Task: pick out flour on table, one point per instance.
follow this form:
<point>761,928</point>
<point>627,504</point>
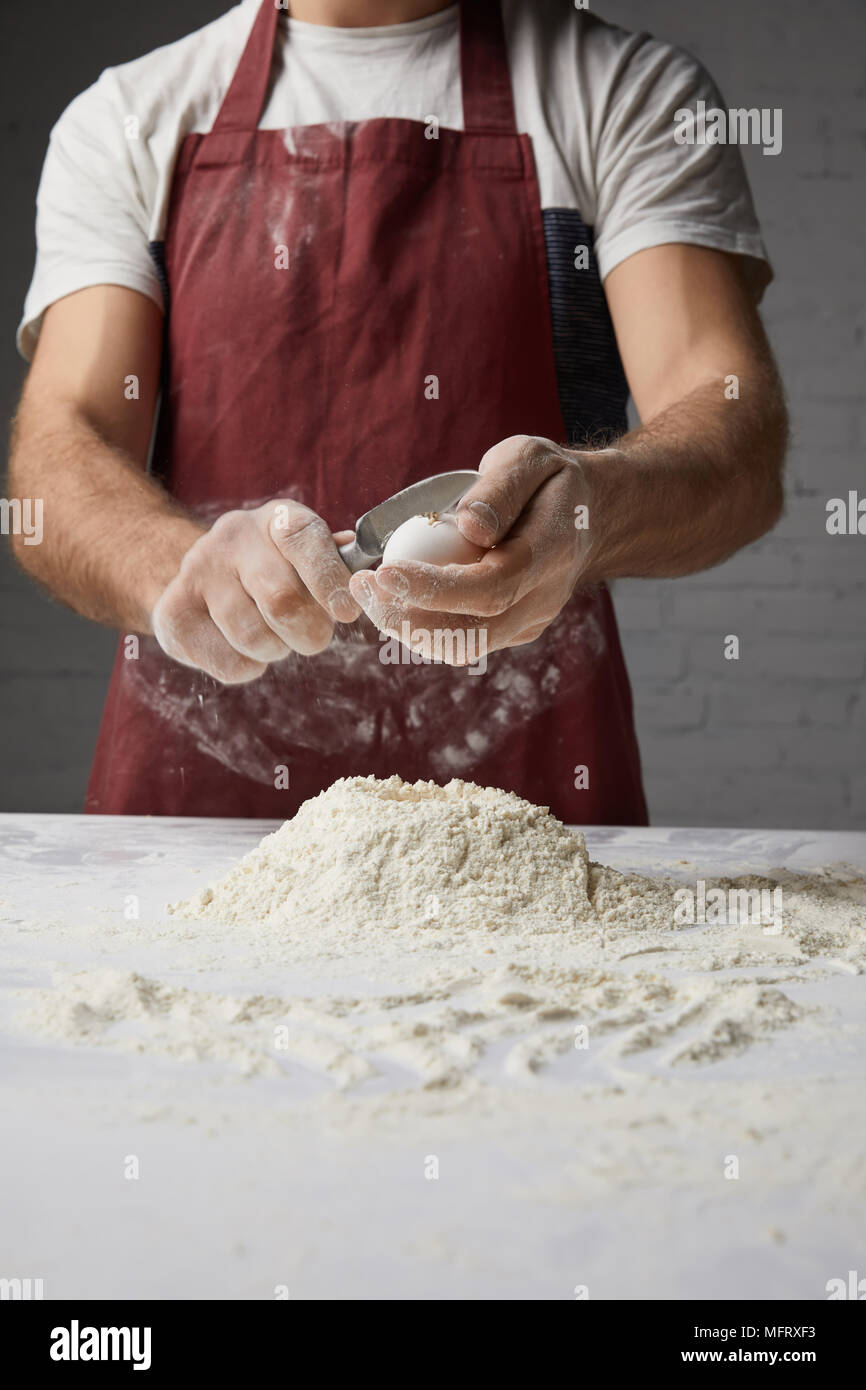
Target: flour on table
<point>486,942</point>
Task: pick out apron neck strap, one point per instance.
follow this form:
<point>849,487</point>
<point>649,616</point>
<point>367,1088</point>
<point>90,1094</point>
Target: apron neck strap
<point>486,80</point>
<point>484,72</point>
<point>244,101</point>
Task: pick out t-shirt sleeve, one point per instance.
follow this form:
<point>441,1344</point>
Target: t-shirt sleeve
<point>649,190</point>
<point>92,222</point>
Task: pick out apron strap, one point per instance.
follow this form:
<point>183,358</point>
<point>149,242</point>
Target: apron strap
<point>484,72</point>
<point>488,103</point>
<point>244,101</point>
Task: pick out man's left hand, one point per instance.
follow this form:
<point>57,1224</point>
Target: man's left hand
<point>526,506</point>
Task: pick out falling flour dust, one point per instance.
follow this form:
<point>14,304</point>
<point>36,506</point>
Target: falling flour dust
<point>483,941</point>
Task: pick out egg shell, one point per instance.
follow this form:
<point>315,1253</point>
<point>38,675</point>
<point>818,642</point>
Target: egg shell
<point>438,542</point>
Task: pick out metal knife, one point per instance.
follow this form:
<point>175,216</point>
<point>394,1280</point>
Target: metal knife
<point>372,530</point>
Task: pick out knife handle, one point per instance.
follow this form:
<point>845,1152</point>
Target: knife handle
<point>354,558</point>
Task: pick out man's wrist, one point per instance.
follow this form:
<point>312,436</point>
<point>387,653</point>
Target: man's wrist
<point>593,487</point>
<point>173,536</point>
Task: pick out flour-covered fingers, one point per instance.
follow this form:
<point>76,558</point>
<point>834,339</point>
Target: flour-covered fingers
<point>511,472</point>
<point>283,601</point>
<point>242,597</point>
<point>238,616</point>
<point>305,540</point>
<point>542,547</point>
<point>186,631</point>
<point>443,635</point>
<point>490,586</point>
<point>548,523</point>
<point>255,596</point>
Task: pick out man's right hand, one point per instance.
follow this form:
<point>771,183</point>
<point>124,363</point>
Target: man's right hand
<point>258,585</point>
<point>117,548</point>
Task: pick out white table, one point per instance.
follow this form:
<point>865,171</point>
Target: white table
<point>611,1178</point>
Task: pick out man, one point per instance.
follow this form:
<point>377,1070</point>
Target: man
<point>364,244</point>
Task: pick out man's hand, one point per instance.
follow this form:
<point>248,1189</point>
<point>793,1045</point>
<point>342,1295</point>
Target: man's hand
<point>524,505</point>
<point>255,587</point>
<point>700,478</point>
<point>117,548</point>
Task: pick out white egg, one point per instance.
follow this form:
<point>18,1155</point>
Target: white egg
<point>434,539</point>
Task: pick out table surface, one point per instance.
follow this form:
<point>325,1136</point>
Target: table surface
<point>593,1172</point>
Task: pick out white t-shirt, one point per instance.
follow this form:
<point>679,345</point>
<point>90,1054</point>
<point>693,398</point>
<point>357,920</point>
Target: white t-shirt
<point>597,101</point>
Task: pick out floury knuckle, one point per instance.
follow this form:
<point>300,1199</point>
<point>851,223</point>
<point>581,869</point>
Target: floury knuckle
<point>230,527</point>
<point>247,634</point>
<point>236,670</point>
<point>490,605</point>
<point>278,604</point>
<point>297,527</point>
<point>533,451</point>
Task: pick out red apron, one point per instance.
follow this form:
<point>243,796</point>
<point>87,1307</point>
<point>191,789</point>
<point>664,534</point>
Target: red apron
<point>408,256</point>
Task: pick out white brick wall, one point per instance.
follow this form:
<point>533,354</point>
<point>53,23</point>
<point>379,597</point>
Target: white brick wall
<point>778,737</point>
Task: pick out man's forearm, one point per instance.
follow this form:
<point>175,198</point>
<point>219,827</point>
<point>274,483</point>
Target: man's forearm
<point>689,488</point>
<point>112,537</point>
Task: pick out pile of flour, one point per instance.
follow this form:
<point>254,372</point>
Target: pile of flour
<point>453,935</point>
<point>463,869</point>
<point>369,854</point>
